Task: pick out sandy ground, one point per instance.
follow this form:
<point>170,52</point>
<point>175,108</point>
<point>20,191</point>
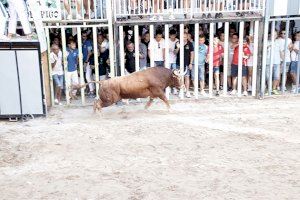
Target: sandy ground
<point>211,149</point>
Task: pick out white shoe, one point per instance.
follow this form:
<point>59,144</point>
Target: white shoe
<point>60,104</point>
<point>92,15</point>
<point>56,101</point>
<point>249,88</point>
<point>69,17</point>
<point>202,92</point>
<point>175,91</point>
<point>160,18</point>
<point>78,16</point>
<point>245,93</point>
<point>188,95</point>
<point>153,18</point>
<point>233,92</point>
<point>293,89</point>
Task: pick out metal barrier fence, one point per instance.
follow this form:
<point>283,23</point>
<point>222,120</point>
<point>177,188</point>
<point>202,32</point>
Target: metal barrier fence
<point>227,62</point>
<point>192,8</point>
<point>277,62</point>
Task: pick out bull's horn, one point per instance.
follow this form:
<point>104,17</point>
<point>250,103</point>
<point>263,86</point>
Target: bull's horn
<point>184,73</point>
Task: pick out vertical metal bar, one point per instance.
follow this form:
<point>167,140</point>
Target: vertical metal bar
<point>226,57</point>
<point>196,68</point>
<point>136,47</point>
<point>205,6</point>
<point>96,64</point>
<point>122,52</point>
<point>255,56</point>
<point>167,55</point>
<point>240,64</point>
<point>251,28</point>
<point>64,49</point>
<point>151,45</point>
<point>264,52</point>
<point>298,70</point>
<point>139,7</point>
<point>211,59</point>
<point>50,66</point>
<point>80,64</point>
<point>283,83</point>
<point>89,8</point>
<point>272,58</point>
<point>95,9</point>
<point>110,38</point>
<point>181,55</point>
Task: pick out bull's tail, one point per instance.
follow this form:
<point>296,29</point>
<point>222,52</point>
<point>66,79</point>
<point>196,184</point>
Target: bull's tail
<point>78,86</point>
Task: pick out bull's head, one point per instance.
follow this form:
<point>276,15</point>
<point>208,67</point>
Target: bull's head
<point>177,78</point>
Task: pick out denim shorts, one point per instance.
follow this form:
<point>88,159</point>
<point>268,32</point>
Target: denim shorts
<point>58,80</point>
<point>216,70</point>
<point>159,63</point>
<point>235,70</point>
<point>276,72</point>
<point>287,68</point>
<point>294,66</point>
<point>201,71</point>
<point>173,66</point>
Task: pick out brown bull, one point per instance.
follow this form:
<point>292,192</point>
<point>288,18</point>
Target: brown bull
<point>142,84</point>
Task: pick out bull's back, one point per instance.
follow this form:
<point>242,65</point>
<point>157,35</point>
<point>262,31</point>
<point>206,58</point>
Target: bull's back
<point>140,84</point>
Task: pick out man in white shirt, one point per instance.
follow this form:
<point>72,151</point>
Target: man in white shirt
<point>57,71</point>
<point>156,50</point>
<point>172,54</point>
<point>295,60</point>
<point>286,57</point>
<point>277,50</point>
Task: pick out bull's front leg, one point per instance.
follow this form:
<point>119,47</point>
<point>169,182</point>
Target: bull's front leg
<point>164,98</point>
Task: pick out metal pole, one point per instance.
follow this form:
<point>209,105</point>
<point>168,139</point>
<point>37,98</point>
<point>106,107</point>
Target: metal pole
<point>81,64</point>
<point>110,38</point>
<point>122,53</point>
<point>226,56</point>
<point>272,58</point>
<point>64,49</point>
<point>298,72</point>
<point>151,46</point>
<point>255,56</point>
<point>96,64</point>
<point>181,95</point>
<point>240,63</point>
<point>283,83</point>
<point>264,52</point>
<point>211,52</point>
<point>136,48</point>
<point>167,55</point>
<point>196,68</point>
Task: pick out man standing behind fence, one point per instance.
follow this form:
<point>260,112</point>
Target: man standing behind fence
<point>57,72</point>
<point>87,48</point>
<point>72,74</point>
<point>188,60</point>
<point>156,50</point>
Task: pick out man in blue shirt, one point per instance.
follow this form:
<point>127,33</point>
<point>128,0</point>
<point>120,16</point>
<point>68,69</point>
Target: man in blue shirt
<point>72,74</point>
<point>87,48</point>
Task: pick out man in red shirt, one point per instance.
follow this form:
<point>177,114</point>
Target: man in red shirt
<point>234,67</point>
<point>218,53</point>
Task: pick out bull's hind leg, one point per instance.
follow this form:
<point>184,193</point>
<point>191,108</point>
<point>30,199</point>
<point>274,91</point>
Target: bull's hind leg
<point>97,106</point>
<point>149,103</point>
